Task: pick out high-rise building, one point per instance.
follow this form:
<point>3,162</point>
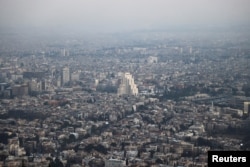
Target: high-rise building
<point>127,86</point>
<point>34,86</point>
<point>65,75</point>
<point>246,108</point>
<point>212,107</point>
<point>181,50</point>
<point>190,50</point>
<point>63,52</point>
<point>58,82</point>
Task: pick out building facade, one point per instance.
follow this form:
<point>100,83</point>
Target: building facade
<point>65,75</point>
<point>127,85</point>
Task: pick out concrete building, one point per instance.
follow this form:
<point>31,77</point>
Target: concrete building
<point>20,90</point>
<point>190,50</point>
<point>63,52</point>
<point>16,76</point>
<point>34,85</point>
<point>127,86</point>
<point>75,76</point>
<point>65,75</point>
<point>246,108</point>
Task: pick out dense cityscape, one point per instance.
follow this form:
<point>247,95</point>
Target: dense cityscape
<point>124,83</point>
<point>154,98</point>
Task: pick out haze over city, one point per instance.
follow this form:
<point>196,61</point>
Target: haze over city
<point>122,15</point>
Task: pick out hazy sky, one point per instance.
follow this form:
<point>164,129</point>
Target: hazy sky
<point>120,15</point>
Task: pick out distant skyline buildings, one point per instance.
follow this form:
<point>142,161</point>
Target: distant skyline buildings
<point>64,52</point>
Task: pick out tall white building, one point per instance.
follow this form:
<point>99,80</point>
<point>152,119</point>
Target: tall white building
<point>190,50</point>
<point>127,86</point>
<point>65,75</point>
<point>246,108</point>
